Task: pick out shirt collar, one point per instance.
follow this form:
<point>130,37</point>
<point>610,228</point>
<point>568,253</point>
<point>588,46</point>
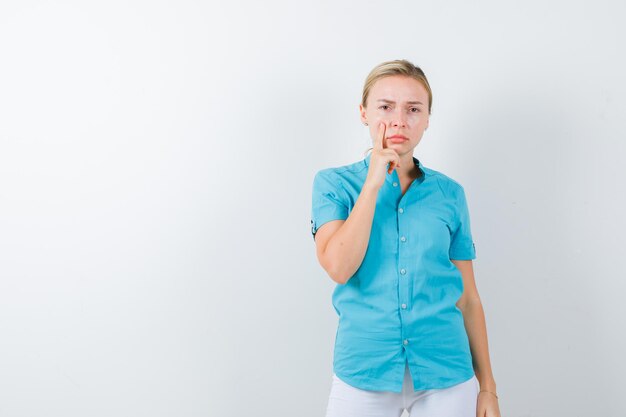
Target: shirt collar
<point>394,175</point>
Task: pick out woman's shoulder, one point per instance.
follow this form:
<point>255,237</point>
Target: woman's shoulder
<point>448,185</point>
<point>346,169</point>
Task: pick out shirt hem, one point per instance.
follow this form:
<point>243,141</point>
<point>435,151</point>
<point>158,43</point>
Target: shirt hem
<point>369,384</point>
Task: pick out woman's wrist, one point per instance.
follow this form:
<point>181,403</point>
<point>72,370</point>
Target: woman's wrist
<point>369,189</point>
<point>489,392</point>
<point>488,385</point>
<point>486,381</point>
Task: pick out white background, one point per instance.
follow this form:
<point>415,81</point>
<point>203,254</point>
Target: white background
<point>156,164</point>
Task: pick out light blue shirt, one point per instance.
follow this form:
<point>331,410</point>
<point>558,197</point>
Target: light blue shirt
<point>399,307</point>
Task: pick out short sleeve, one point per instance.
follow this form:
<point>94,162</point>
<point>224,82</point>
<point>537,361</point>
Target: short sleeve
<point>461,244</point>
<point>329,200</point>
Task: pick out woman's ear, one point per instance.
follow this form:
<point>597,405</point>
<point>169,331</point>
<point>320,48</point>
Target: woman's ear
<point>362,114</point>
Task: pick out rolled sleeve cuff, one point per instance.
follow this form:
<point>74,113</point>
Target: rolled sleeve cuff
<point>464,251</point>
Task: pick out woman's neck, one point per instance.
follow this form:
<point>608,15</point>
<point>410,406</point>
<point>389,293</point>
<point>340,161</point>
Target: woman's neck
<point>408,168</point>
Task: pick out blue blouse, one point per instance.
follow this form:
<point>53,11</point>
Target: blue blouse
<point>399,307</point>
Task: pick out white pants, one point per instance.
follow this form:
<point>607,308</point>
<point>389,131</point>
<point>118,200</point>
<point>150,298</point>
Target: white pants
<point>456,401</point>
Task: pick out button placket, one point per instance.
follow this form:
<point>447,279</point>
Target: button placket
<point>404,262</point>
<point>402,256</point>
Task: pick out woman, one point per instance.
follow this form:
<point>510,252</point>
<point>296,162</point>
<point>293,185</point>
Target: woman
<point>395,236</point>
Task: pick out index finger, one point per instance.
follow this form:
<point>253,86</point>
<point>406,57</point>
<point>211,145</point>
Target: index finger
<point>380,137</point>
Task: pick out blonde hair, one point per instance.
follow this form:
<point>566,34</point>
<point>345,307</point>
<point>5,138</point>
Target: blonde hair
<point>395,67</point>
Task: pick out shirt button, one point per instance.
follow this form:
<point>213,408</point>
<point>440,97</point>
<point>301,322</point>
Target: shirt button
<point>401,210</point>
<point>395,184</point>
<point>403,238</point>
<point>403,271</point>
<point>405,342</point>
<point>403,306</point>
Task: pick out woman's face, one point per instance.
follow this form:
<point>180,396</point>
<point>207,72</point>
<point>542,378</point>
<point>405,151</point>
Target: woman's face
<point>400,102</point>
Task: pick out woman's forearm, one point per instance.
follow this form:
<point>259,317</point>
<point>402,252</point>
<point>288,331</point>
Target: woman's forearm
<point>476,328</point>
<point>346,248</point>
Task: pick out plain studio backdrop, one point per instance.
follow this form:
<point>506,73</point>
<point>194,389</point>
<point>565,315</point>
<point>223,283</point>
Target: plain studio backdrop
<point>156,168</point>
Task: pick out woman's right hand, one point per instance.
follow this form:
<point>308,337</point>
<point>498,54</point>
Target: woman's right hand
<point>380,157</point>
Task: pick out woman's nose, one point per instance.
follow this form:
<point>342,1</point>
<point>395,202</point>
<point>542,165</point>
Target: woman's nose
<point>398,120</point>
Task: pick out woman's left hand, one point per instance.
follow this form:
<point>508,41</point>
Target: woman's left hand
<point>487,405</point>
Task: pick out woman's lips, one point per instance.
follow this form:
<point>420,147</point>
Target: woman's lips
<point>397,139</point>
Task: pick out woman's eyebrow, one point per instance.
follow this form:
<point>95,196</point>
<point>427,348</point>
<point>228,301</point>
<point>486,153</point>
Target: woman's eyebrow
<point>393,102</point>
